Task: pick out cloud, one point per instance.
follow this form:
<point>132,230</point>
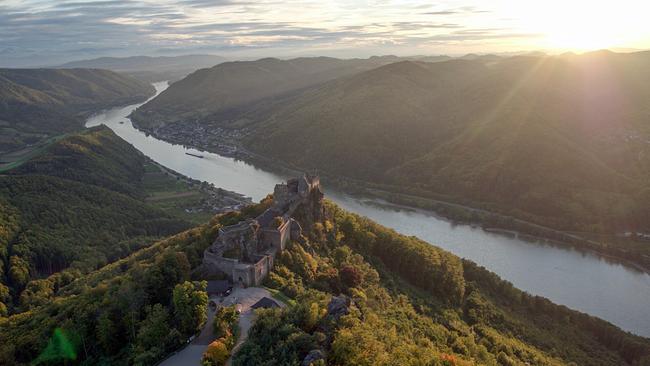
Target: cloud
<point>214,3</point>
<point>441,12</point>
<point>55,31</point>
<point>456,11</point>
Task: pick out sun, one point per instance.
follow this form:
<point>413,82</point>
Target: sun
<point>576,25</point>
<point>580,37</point>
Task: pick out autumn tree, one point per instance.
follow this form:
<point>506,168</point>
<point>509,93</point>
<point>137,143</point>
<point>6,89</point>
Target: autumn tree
<point>216,355</point>
<point>350,276</point>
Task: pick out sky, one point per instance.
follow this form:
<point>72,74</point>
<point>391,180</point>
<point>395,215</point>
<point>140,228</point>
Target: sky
<point>49,32</point>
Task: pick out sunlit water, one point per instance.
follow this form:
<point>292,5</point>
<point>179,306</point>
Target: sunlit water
<point>581,281</point>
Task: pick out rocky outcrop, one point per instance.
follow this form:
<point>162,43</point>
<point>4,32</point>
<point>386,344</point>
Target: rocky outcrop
<point>338,306</point>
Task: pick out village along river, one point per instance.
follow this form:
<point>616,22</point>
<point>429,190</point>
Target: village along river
<point>581,281</point>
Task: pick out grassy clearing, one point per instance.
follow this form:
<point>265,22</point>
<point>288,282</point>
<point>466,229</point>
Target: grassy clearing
<point>173,194</point>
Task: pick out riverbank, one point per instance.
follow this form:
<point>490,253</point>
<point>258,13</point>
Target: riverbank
<point>450,208</point>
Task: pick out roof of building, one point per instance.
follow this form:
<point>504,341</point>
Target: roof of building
<point>218,286</point>
<point>266,303</point>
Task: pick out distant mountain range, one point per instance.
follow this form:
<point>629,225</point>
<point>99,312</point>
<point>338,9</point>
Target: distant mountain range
<point>44,102</point>
<point>149,68</point>
<point>558,140</point>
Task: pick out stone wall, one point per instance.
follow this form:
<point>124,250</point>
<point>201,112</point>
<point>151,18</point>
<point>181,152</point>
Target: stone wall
<point>249,274</point>
<point>217,264</point>
<point>259,240</point>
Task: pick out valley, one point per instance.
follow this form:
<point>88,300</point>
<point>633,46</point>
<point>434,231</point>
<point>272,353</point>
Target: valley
<point>338,183</point>
<point>412,144</point>
<point>630,248</point>
<point>536,267</point>
<point>469,314</point>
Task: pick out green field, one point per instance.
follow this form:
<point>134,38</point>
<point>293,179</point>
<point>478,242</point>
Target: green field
<point>174,194</point>
<point>15,158</point>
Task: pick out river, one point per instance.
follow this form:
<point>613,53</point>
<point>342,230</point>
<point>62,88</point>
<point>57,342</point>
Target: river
<point>580,280</point>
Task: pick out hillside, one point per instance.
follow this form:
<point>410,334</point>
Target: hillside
<point>555,140</point>
<point>222,93</point>
<point>401,301</point>
<point>81,204</point>
<point>561,141</point>
<point>398,301</point>
<point>148,68</point>
<point>37,103</point>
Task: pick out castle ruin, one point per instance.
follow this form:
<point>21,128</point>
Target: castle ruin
<point>245,251</point>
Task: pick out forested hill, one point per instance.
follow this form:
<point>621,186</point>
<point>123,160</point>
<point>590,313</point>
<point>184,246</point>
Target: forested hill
<point>78,206</point>
<point>224,91</point>
<point>358,294</point>
<point>562,141</point>
<point>35,102</point>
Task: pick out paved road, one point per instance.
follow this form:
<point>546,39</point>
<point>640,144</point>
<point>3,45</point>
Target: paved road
<point>190,355</point>
<point>244,297</point>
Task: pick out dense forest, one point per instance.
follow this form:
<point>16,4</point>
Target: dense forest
<point>76,207</point>
<point>362,295</point>
<point>37,103</point>
<point>409,303</point>
<point>134,311</point>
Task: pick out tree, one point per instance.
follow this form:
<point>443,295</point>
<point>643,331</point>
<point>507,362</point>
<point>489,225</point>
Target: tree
<point>225,323</point>
<point>155,330</point>
<point>155,336</point>
<point>170,269</point>
<point>350,276</point>
<point>190,306</point>
<point>4,298</point>
<point>18,271</point>
<point>216,355</point>
<point>37,293</point>
<point>107,333</point>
